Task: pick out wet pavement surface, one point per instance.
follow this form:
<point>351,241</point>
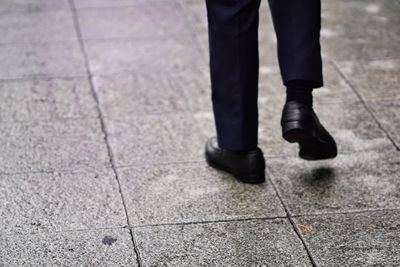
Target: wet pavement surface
<point>105,109</point>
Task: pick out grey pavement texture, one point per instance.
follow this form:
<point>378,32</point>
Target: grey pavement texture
<point>105,109</point>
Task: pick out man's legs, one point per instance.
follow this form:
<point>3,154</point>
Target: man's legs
<point>233,35</point>
<point>297,25</point>
<point>233,40</point>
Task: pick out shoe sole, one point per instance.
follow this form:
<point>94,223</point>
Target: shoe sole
<point>253,178</point>
<point>311,147</point>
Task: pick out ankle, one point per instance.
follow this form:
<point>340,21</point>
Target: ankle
<point>300,94</point>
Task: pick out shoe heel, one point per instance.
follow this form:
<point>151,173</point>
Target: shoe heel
<point>255,178</point>
<point>295,132</point>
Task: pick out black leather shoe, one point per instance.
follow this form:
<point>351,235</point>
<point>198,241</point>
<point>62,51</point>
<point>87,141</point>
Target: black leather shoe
<point>300,124</point>
<point>248,166</point>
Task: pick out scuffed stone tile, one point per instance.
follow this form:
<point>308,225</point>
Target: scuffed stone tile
<point>387,113</point>
<point>142,20</point>
<point>246,243</point>
<point>267,47</point>
<point>368,239</point>
<point>37,27</point>
<point>32,6</point>
<point>193,192</point>
<point>48,202</point>
<point>355,182</point>
<point>49,60</point>
<point>360,30</point>
<point>374,80</point>
<point>109,247</point>
<point>46,99</point>
<point>127,95</point>
<point>138,56</point>
<point>48,146</point>
<point>159,139</point>
<point>196,13</point>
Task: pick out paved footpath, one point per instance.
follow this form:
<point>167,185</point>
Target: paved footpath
<point>105,108</point>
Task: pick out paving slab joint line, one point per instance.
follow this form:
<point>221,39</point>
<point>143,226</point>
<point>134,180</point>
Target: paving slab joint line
<point>102,122</point>
<point>49,232</point>
<point>349,83</point>
<point>289,217</point>
<point>346,212</point>
<point>210,221</point>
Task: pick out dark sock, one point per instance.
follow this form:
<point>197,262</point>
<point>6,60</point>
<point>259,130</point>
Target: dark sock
<point>300,92</point>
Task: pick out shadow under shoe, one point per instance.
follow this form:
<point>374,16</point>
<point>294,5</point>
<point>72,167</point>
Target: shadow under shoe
<point>247,167</point>
<point>301,125</point>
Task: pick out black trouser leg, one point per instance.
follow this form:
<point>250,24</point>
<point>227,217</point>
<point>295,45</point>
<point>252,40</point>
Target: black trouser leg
<point>297,25</point>
<point>233,40</point>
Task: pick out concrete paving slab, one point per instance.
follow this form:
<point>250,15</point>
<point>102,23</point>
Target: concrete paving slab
<point>196,14</point>
<point>374,80</point>
<point>59,201</point>
<point>46,99</point>
<point>345,35</point>
<point>387,113</point>
<point>110,247</point>
<point>142,20</point>
<point>48,60</point>
<point>356,182</point>
<point>247,243</point>
<point>153,93</point>
<point>201,41</point>
<point>138,56</point>
<point>268,53</point>
<point>190,91</point>
<point>368,239</point>
<point>193,192</point>
<point>47,146</point>
<point>159,139</point>
<point>152,86</point>
<point>32,5</point>
<point>265,14</point>
<point>268,49</point>
<point>349,122</point>
<point>196,17</point>
<point>37,27</point>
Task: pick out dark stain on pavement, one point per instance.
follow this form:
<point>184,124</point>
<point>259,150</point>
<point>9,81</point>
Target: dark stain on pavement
<point>109,240</point>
